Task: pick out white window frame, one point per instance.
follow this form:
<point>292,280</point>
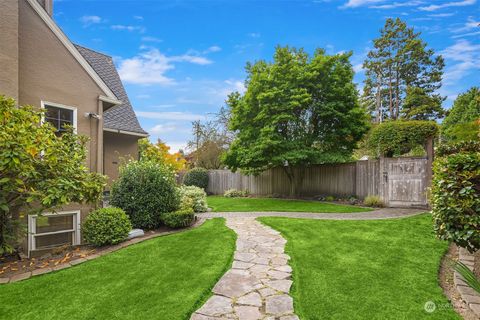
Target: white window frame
<point>44,104</point>
<point>76,231</point>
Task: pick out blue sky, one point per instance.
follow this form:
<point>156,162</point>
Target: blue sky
<point>180,59</point>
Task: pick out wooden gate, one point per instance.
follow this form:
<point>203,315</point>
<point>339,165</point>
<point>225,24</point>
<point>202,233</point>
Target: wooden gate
<point>404,182</point>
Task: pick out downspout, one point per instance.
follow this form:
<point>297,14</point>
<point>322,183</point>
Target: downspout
<point>99,165</point>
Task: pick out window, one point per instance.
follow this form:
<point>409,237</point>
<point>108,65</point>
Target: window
<point>59,116</point>
<point>51,230</point>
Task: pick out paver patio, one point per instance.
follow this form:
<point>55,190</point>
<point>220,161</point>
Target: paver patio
<point>257,285</point>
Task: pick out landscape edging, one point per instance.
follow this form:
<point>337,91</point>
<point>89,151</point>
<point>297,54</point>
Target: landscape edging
<point>127,243</point>
<point>470,296</point>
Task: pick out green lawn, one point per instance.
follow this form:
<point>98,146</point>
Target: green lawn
<point>222,204</point>
<point>163,278</point>
<point>364,269</point>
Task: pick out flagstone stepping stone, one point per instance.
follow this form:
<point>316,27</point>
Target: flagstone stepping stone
<point>257,285</point>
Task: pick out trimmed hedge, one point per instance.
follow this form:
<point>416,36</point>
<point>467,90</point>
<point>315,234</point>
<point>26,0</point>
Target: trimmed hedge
<point>106,226</point>
<point>179,219</point>
<point>394,138</point>
<point>195,196</point>
<point>146,191</point>
<point>456,194</point>
<point>197,177</point>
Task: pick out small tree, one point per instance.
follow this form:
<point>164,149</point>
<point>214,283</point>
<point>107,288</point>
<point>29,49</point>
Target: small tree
<point>463,121</point>
<point>297,111</point>
<point>38,170</point>
<point>160,153</point>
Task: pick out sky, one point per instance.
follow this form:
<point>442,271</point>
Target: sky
<point>180,59</point>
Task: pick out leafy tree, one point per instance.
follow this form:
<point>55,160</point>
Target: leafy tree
<point>38,170</point>
<point>399,60</point>
<point>159,153</point>
<point>296,111</point>
<point>463,120</point>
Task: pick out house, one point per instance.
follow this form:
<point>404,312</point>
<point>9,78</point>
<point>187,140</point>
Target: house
<point>40,66</point>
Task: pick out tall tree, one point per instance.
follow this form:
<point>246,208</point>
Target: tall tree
<point>296,111</point>
<point>401,60</point>
<point>463,120</point>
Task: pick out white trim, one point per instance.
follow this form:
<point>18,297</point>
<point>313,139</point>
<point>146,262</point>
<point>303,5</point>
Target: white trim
<point>76,231</point>
<point>126,132</point>
<point>61,106</point>
<point>70,47</point>
<point>109,100</point>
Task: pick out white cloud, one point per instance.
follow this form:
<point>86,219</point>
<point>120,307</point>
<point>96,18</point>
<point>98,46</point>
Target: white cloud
<point>176,146</point>
<point>173,115</point>
<point>360,3</point>
<point>466,35</point>
<point>468,26</point>
<point>162,128</point>
<point>143,96</point>
<point>441,15</point>
<point>138,18</point>
<point>394,5</point>
<point>254,35</point>
<point>434,7</point>
<point>150,67</point>
<point>465,59</point>
<point>147,68</point>
<point>122,27</point>
<point>212,49</point>
<point>89,20</point>
<point>151,39</point>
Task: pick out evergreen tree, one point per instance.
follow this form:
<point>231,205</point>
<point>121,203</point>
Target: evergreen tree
<point>401,60</point>
<point>463,120</point>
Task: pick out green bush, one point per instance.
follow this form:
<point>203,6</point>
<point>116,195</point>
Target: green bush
<point>179,219</point>
<point>145,191</point>
<point>394,138</point>
<point>234,193</point>
<point>195,196</point>
<point>329,198</point>
<point>106,226</point>
<point>456,194</point>
<point>197,177</point>
<point>373,201</point>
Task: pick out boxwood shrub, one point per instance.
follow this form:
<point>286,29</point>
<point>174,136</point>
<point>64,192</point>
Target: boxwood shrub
<point>179,219</point>
<point>197,177</point>
<point>195,197</point>
<point>145,191</point>
<point>394,138</point>
<point>106,226</point>
<point>456,194</point>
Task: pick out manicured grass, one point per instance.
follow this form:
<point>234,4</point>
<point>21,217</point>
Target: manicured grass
<point>384,269</point>
<point>163,278</point>
<point>222,204</point>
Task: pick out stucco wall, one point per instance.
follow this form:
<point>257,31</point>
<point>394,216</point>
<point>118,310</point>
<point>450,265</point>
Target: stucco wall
<point>115,147</point>
<point>48,72</point>
<point>9,48</point>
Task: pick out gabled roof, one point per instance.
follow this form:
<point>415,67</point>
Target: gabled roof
<point>120,117</point>
<point>71,48</point>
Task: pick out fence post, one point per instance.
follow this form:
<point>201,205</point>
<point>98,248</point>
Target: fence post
<point>429,146</point>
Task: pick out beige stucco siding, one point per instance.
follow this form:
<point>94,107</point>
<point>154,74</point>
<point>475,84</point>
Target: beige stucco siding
<point>9,48</point>
<point>115,147</point>
<point>48,72</point>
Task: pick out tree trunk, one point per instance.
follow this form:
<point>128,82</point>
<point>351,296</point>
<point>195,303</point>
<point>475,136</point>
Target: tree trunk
<point>294,179</point>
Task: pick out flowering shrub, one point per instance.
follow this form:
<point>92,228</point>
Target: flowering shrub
<point>195,197</point>
<point>234,193</point>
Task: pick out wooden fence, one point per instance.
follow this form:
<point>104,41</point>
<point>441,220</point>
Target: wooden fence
<point>360,179</point>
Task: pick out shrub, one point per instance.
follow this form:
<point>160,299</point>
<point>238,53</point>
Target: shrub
<point>394,138</point>
<point>456,194</point>
<point>330,198</point>
<point>145,190</point>
<point>195,196</point>
<point>179,219</point>
<point>373,201</point>
<point>197,177</point>
<point>234,193</point>
<point>106,226</point>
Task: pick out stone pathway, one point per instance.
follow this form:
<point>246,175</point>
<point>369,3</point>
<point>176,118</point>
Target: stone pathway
<point>383,213</point>
<point>258,284</point>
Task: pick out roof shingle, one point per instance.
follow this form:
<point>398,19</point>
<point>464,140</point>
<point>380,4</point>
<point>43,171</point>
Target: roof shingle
<point>121,117</point>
